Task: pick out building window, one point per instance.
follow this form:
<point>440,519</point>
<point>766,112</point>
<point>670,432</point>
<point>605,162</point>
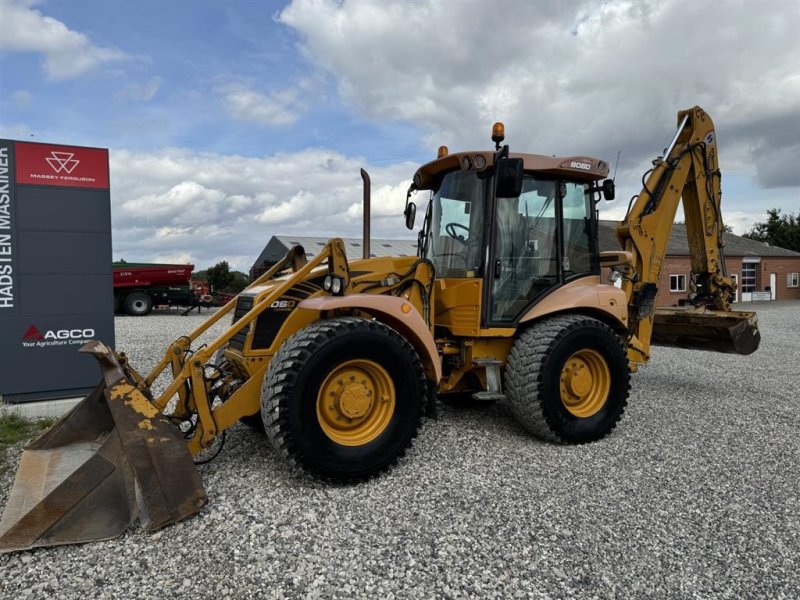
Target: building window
<point>748,277</point>
<point>677,283</point>
<point>793,280</point>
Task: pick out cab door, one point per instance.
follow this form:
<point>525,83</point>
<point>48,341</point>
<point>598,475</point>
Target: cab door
<point>538,241</point>
<point>524,253</point>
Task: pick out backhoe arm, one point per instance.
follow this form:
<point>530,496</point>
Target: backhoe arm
<point>688,170</point>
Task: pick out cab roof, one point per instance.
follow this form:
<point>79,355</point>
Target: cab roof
<point>581,168</point>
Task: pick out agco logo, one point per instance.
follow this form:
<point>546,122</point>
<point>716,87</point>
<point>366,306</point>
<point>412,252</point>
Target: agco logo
<point>62,162</point>
<point>56,337</point>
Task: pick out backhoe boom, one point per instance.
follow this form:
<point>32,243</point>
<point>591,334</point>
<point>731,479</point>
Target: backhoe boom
<point>689,170</point>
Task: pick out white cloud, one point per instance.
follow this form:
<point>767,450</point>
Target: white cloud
<point>179,258</point>
<point>171,232</point>
<point>742,222</point>
<point>142,92</point>
<point>588,77</point>
<point>274,108</point>
<point>566,77</point>
<point>212,207</point>
<point>386,201</point>
<point>67,53</point>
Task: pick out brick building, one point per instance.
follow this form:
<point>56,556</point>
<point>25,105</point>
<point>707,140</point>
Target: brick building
<point>762,272</point>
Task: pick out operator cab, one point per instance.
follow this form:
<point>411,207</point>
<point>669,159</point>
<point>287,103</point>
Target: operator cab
<point>523,224</point>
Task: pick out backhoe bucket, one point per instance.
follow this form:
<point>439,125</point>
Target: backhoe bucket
<point>702,329</point>
<point>112,459</point>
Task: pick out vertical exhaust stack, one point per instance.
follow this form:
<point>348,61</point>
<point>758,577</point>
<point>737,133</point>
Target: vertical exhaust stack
<point>367,198</point>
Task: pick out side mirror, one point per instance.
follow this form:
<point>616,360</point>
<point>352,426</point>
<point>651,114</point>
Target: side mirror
<point>509,177</point>
<point>411,215</point>
<point>608,189</point>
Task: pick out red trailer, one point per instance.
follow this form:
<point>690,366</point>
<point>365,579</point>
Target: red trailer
<point>140,286</point>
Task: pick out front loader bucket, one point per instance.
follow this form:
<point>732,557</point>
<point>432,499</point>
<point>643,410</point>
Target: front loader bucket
<point>702,329</point>
<point>112,459</point>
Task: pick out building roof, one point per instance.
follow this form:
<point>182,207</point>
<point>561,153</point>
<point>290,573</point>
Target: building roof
<point>279,245</point>
<point>353,246</point>
<point>678,245</point>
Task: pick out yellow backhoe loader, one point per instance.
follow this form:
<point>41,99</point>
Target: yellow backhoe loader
<point>339,359</point>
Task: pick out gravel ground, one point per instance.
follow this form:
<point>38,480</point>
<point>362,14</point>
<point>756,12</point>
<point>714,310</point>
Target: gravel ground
<point>694,495</point>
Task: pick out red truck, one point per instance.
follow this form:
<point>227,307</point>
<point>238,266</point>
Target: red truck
<point>138,287</point>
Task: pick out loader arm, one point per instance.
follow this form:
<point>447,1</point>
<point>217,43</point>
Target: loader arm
<point>689,170</point>
<point>118,456</point>
<point>188,368</point>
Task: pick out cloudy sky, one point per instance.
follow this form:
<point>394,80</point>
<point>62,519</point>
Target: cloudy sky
<point>229,122</point>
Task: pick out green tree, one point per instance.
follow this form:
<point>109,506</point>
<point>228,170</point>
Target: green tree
<point>782,230</point>
<point>222,279</point>
<point>240,281</point>
<point>219,276</point>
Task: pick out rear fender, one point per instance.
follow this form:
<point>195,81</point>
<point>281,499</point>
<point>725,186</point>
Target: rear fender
<point>397,313</point>
<point>586,295</point>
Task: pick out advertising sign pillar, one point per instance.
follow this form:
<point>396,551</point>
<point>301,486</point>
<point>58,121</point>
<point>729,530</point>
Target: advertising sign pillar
<point>55,268</point>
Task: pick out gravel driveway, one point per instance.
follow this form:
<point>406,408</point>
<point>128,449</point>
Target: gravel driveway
<point>696,495</point>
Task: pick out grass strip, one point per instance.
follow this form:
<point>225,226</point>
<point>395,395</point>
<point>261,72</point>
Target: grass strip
<point>15,429</point>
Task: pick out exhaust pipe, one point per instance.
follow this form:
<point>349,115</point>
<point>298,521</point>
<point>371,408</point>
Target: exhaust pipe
<point>367,194</point>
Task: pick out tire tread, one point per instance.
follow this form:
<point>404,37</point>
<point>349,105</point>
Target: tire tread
<point>525,370</point>
<point>282,375</point>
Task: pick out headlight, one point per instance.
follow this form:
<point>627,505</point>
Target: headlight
<point>327,282</point>
<point>336,286</point>
<point>480,162</point>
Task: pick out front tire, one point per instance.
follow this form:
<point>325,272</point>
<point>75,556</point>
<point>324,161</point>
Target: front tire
<point>343,398</point>
<point>567,379</point>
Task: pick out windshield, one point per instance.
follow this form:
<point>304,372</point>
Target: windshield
<point>455,226</point>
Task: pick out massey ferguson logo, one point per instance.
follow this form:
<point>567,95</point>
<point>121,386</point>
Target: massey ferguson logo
<point>64,166</point>
<point>62,162</point>
<point>55,337</point>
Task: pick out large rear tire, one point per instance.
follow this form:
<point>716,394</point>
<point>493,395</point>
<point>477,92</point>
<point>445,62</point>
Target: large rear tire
<point>138,304</point>
<point>343,398</point>
<point>567,379</point>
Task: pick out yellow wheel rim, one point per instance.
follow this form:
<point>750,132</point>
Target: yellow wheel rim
<point>585,383</point>
<point>355,402</point>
